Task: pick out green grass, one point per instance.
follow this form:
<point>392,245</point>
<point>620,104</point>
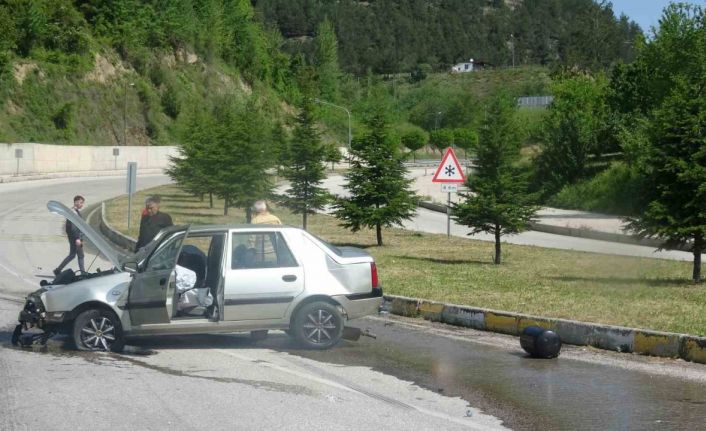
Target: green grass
<point>635,292</point>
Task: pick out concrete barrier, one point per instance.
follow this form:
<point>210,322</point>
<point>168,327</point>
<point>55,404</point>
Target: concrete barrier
<point>607,337</point>
<point>432,206</point>
<point>48,159</point>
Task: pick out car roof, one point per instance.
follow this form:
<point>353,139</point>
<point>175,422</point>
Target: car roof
<point>202,228</point>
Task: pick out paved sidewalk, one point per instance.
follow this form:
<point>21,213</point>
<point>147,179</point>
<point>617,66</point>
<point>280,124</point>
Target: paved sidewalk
<point>546,216</point>
<point>74,174</point>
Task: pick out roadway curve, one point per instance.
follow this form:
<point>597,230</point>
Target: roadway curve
<point>415,375</point>
<point>208,382</point>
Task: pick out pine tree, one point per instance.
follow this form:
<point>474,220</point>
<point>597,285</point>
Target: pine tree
<point>380,194</point>
<point>497,201</point>
<point>192,169</point>
<point>306,169</point>
<point>663,90</point>
<point>326,58</point>
<point>242,156</point>
<point>675,169</point>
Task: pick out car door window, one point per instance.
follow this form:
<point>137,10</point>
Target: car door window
<point>165,255</point>
<point>261,250</point>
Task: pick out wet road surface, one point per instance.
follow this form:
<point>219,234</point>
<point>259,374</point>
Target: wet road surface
<point>415,375</point>
<point>583,389</point>
<point>580,390</point>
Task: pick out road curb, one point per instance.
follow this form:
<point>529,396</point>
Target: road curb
<point>115,236</point>
<point>617,338</point>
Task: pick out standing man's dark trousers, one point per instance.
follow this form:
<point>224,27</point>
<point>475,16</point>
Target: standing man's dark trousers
<point>74,251</point>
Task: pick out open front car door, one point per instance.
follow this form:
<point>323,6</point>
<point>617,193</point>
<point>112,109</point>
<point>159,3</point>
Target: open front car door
<point>154,282</point>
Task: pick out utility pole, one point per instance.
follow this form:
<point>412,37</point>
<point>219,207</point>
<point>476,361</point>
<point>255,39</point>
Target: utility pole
<point>512,47</point>
<point>436,120</point>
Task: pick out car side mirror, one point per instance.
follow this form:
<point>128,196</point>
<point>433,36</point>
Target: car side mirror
<point>130,267</point>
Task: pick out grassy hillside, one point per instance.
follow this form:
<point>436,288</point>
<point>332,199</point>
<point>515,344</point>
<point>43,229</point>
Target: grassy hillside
<point>87,73</point>
<point>45,102</point>
<point>83,72</point>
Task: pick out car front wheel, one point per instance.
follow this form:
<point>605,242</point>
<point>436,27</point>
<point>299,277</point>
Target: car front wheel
<point>98,330</point>
<point>318,325</point>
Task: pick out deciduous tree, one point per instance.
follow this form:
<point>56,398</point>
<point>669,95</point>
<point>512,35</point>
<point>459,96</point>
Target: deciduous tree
<point>441,139</point>
<point>575,129</point>
<point>415,140</point>
<point>465,139</point>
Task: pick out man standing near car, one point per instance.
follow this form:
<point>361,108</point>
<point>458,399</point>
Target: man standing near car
<point>75,238</point>
<point>153,222</point>
<point>262,215</point>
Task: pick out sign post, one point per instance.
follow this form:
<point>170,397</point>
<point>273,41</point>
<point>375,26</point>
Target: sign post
<point>450,175</point>
<point>131,182</point>
<point>116,153</point>
<point>18,156</point>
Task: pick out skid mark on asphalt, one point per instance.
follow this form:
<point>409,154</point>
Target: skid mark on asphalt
<point>259,384</point>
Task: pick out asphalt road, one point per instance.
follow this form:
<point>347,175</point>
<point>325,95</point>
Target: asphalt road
<point>208,382</point>
<point>415,375</point>
<point>434,222</point>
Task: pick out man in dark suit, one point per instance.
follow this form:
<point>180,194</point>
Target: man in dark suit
<point>152,222</point>
<point>75,237</point>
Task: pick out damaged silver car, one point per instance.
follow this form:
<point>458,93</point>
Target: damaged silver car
<point>250,278</point>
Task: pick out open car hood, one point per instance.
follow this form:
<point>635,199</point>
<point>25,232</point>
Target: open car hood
<point>111,253</point>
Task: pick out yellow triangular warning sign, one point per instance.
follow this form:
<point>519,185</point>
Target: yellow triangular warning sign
<point>449,170</point>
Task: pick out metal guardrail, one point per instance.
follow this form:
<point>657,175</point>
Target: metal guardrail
<point>435,163</point>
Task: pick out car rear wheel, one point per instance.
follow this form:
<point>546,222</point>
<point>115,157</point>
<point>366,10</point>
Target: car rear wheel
<point>318,325</point>
<point>98,330</point>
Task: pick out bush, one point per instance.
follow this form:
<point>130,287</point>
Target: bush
<point>613,191</point>
<point>63,118</point>
<point>171,102</point>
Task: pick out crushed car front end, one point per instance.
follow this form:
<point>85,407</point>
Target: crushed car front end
<point>35,324</point>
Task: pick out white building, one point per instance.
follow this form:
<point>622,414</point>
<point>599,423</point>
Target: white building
<point>463,67</point>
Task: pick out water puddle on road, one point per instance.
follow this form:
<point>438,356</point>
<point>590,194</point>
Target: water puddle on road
<point>525,393</point>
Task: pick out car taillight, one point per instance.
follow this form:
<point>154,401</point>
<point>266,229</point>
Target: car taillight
<point>374,274</point>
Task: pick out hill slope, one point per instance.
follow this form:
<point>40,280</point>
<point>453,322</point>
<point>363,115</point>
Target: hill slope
<point>108,73</point>
<point>390,36</point>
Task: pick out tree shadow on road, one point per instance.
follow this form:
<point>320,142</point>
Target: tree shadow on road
<point>444,261</point>
<point>357,245</point>
<point>663,282</point>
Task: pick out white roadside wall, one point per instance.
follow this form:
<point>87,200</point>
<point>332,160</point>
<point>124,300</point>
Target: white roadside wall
<point>43,159</point>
